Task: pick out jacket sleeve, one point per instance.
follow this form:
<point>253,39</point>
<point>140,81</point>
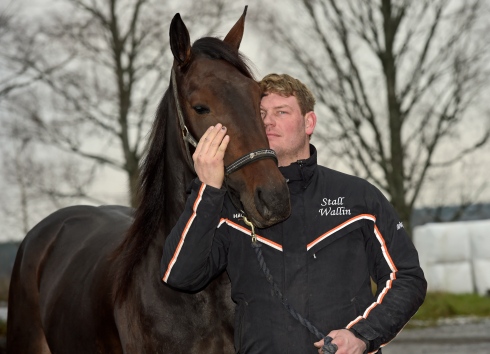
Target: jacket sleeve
<point>394,266</point>
<point>192,255</point>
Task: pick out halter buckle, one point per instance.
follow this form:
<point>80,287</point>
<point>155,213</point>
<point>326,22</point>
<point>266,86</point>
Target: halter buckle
<point>188,137</point>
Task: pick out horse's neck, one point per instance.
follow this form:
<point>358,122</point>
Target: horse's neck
<point>177,177</point>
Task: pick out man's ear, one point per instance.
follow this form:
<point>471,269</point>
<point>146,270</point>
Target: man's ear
<point>310,122</point>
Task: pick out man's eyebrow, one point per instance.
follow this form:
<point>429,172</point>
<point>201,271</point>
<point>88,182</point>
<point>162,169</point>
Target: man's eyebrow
<point>282,106</point>
<point>279,107</point>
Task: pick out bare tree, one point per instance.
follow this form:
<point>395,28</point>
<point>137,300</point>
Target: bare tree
<point>17,74</point>
<point>34,184</point>
<point>79,85</point>
<point>397,78</point>
<point>113,68</point>
<point>17,54</point>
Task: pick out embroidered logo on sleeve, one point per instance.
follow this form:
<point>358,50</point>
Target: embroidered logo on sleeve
<point>399,226</point>
<point>333,207</point>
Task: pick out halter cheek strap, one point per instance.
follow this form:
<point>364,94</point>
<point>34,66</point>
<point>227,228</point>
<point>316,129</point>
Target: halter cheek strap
<point>186,135</point>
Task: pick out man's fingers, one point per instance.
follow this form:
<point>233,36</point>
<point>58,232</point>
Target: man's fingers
<point>212,144</point>
<point>209,154</point>
<point>214,139</point>
<point>203,142</point>
<point>220,152</point>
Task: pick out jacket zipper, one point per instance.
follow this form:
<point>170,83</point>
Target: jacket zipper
<point>301,164</point>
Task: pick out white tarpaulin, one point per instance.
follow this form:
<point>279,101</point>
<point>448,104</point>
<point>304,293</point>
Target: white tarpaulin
<point>455,256</point>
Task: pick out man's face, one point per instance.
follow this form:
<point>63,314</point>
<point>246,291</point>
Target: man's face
<point>287,129</point>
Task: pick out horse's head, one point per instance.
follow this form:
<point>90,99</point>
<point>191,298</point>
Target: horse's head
<point>214,85</point>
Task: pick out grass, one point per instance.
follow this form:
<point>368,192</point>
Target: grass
<point>444,305</point>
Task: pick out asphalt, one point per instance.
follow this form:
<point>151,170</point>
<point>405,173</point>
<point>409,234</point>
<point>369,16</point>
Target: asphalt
<point>460,336</point>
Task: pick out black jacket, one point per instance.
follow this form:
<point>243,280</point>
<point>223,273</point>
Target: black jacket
<point>342,231</point>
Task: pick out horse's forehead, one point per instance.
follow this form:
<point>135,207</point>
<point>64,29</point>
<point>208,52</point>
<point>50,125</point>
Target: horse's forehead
<point>209,71</point>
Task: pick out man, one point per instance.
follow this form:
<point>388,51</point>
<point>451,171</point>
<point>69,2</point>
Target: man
<point>341,233</point>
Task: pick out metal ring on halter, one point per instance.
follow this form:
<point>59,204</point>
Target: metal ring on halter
<point>188,137</point>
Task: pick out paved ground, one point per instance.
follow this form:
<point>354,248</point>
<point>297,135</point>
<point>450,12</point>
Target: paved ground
<point>466,336</point>
<point>462,336</point>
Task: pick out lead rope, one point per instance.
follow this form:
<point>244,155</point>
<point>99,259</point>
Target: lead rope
<point>328,346</point>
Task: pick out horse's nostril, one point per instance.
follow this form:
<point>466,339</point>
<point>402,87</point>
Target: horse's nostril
<point>270,204</point>
<point>262,205</point>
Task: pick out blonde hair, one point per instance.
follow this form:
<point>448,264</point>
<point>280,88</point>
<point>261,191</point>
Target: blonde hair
<point>286,86</point>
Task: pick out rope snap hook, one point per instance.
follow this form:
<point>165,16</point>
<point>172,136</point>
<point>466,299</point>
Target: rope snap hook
<point>252,229</point>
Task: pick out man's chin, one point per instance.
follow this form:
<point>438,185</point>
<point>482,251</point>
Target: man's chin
<point>275,148</point>
<point>273,143</point>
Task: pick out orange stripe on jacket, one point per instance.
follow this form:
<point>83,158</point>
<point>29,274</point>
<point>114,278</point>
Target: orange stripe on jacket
<point>184,233</point>
<point>247,232</point>
<point>389,283</point>
<point>340,227</point>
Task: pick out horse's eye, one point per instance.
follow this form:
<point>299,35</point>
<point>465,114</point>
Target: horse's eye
<point>201,109</point>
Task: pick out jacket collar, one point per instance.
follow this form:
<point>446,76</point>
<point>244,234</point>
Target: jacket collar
<point>301,170</point>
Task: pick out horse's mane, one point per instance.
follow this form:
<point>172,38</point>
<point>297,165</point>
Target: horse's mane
<point>215,48</point>
<point>148,216</point>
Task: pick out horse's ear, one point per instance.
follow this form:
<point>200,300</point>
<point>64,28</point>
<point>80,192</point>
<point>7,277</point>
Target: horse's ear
<point>234,37</point>
<point>180,42</point>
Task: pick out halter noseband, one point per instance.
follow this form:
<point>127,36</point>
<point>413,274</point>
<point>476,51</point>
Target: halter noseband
<point>189,139</point>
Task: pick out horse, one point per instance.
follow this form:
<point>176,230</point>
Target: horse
<point>86,279</point>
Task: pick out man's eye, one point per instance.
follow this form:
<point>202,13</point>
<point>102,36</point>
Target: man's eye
<point>262,114</point>
<point>201,109</point>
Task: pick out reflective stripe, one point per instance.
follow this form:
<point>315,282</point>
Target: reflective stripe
<point>389,283</point>
<point>246,231</point>
<point>340,227</point>
<point>184,233</point>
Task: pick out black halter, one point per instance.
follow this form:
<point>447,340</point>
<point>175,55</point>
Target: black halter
<point>189,139</point>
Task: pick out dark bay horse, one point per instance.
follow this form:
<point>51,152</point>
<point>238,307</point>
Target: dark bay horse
<point>86,279</point>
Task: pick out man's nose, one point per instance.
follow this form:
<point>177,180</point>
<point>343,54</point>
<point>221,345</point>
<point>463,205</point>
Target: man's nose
<point>267,119</point>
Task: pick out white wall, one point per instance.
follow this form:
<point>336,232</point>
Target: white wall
<point>455,256</point>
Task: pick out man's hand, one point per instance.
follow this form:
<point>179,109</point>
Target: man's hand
<point>346,341</point>
<point>209,154</point>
